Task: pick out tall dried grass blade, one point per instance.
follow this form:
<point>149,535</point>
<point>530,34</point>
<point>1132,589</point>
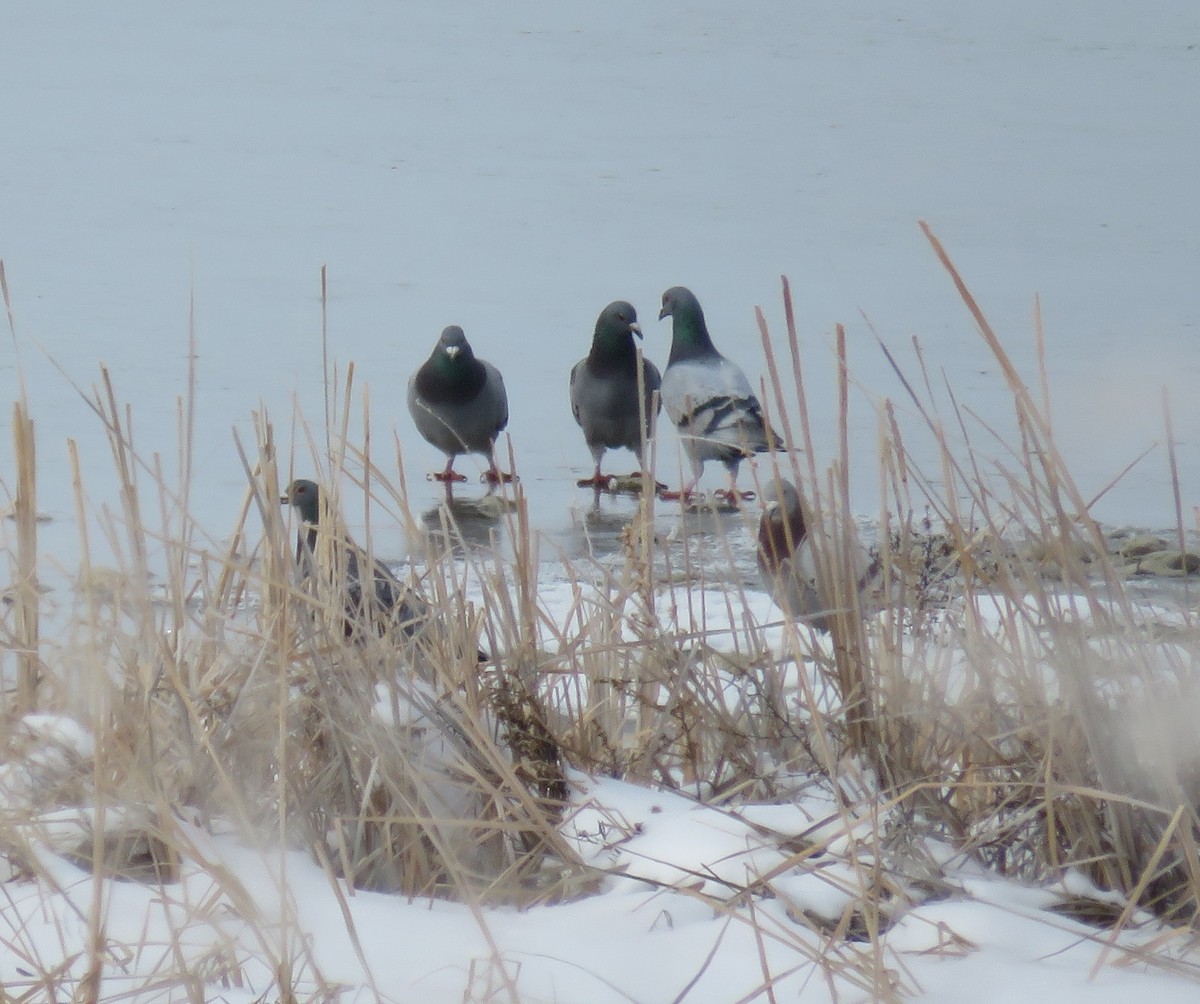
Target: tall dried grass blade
<point>28,600</point>
<point>327,378</point>
<point>1173,462</point>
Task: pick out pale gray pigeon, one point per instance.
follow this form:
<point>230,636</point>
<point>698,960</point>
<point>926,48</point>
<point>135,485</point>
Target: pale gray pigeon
<point>789,566</point>
<point>708,397</point>
<point>604,390</point>
<point>459,404</point>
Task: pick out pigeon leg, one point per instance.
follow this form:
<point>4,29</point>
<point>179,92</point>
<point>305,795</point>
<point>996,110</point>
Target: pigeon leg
<point>598,481</point>
<point>494,476</point>
<point>688,493</point>
<point>746,496</point>
<point>733,496</point>
<point>449,475</point>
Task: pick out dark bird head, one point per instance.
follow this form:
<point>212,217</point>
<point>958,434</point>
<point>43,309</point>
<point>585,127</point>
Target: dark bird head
<point>453,343</point>
<point>305,496</point>
<point>678,300</point>
<point>452,373</point>
<point>612,342</point>
<point>689,332</point>
<point>617,321</point>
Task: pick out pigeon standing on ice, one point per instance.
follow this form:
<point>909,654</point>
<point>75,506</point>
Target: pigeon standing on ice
<point>459,404</point>
<point>708,397</point>
<point>604,390</point>
<point>385,603</point>
<point>788,564</point>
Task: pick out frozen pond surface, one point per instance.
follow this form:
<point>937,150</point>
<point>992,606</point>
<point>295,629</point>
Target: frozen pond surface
<point>513,169</point>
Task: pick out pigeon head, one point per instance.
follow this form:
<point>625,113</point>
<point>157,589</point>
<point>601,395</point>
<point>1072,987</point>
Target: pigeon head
<point>782,527</point>
<point>618,320</point>
<point>612,342</point>
<point>780,497</point>
<point>305,496</point>
<point>452,373</point>
<point>453,343</point>
<point>689,333</point>
<point>679,298</point>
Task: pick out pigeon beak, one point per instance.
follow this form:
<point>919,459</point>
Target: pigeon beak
<point>665,312</point>
<point>636,328</point>
<point>284,500</point>
<point>452,351</point>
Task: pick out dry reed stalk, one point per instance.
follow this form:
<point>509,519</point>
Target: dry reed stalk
<point>329,380</point>
<point>26,636</point>
<point>1180,538</point>
<point>851,654</point>
<point>28,598</point>
<point>118,423</point>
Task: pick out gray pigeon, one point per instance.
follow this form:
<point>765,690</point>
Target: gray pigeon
<point>708,397</point>
<point>788,565</point>
<point>604,390</point>
<point>387,603</point>
<point>459,404</point>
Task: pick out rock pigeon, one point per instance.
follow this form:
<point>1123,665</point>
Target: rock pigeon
<point>708,397</point>
<point>789,566</point>
<point>386,604</point>
<point>604,390</point>
<point>459,404</point>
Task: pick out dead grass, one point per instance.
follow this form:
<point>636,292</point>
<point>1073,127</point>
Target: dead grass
<point>1033,727</point>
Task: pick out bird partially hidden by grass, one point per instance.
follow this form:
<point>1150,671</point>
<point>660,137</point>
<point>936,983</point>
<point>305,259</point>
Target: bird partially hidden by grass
<point>709,398</point>
<point>604,391</point>
<point>791,568</point>
<point>385,604</point>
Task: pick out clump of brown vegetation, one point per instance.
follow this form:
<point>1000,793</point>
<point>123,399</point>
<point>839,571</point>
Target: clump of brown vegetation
<point>1034,727</point>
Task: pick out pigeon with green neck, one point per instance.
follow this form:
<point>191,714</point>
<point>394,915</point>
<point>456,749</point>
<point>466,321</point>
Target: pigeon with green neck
<point>605,386</point>
<point>459,404</point>
<point>709,398</point>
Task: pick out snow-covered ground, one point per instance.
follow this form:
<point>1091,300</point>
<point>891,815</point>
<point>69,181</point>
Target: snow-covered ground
<point>686,901</point>
<point>662,930</point>
<point>512,169</point>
